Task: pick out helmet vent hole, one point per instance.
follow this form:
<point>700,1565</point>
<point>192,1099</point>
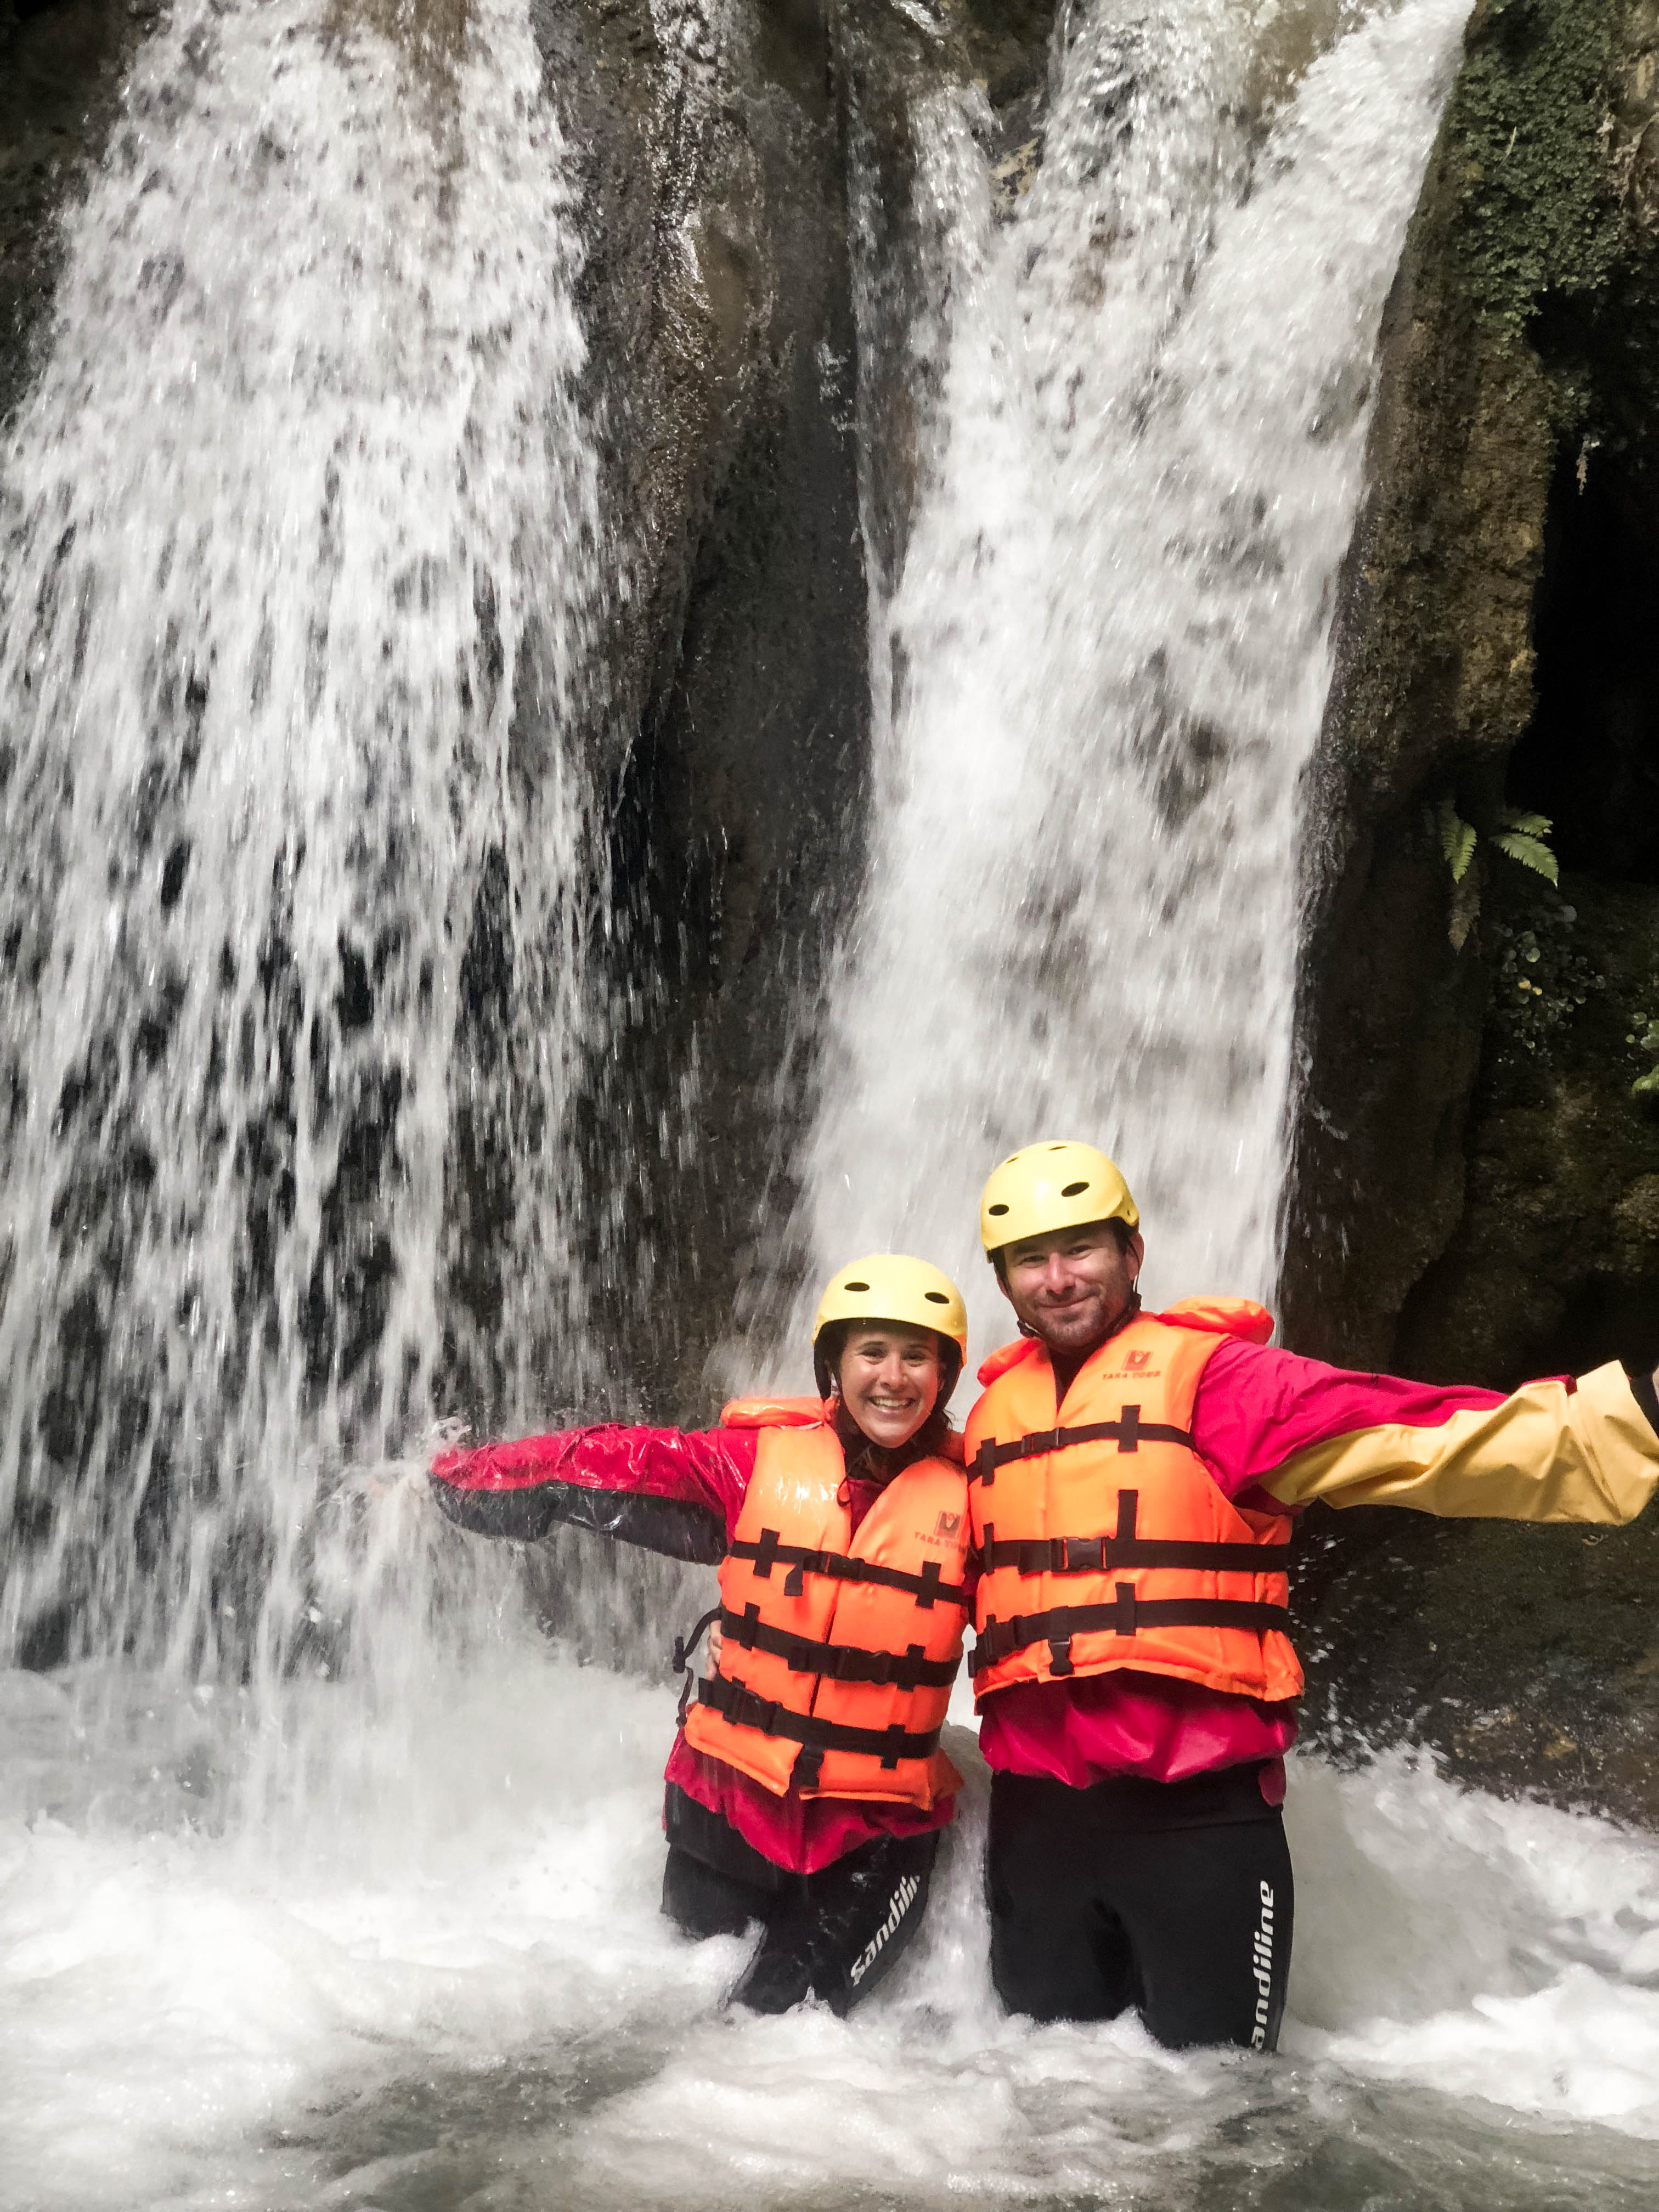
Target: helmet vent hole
<point>936,1297</point>
<point>855,1286</point>
<point>1056,1148</point>
<point>1074,1190</point>
<point>996,1209</point>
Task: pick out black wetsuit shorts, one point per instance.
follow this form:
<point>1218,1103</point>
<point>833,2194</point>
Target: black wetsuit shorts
<point>1174,1898</point>
<point>832,1934</point>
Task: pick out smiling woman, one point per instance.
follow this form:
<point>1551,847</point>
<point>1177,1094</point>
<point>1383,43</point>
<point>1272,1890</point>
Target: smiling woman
<point>888,1380</point>
<point>806,1788</point>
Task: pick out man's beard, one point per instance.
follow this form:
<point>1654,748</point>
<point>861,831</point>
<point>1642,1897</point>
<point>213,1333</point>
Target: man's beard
<point>1103,1322</point>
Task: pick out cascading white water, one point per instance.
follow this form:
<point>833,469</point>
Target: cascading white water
<point>1099,674</point>
<point>424,1967</point>
<point>301,550</point>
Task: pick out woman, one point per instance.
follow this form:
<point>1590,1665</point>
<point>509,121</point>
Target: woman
<point>806,1788</point>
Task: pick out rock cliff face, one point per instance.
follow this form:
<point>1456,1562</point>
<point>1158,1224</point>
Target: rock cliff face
<point>60,64</point>
<point>730,706</point>
<point>1475,1181</point>
<point>716,177</point>
<point>1514,445</point>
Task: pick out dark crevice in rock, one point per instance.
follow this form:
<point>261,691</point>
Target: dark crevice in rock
<point>1590,757</point>
<point>61,67</point>
<point>734,676</point>
<point>1478,1188</point>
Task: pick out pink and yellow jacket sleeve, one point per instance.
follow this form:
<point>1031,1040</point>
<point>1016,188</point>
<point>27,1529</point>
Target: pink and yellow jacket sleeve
<point>1270,1421</point>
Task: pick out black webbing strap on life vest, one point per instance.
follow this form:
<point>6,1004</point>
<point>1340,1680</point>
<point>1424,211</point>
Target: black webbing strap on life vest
<point>1093,1555</point>
<point>841,1662</point>
<point>928,1587</point>
<point>745,1710</point>
<point>683,1647</point>
<point>1127,1616</point>
<point>1127,1433</point>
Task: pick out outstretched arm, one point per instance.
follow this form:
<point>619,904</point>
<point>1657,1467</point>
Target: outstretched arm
<point>1296,1430</point>
<point>672,1491</point>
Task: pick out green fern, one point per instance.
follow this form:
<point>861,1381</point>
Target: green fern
<point>1457,839</point>
<point>1522,838</point>
<point>1529,852</point>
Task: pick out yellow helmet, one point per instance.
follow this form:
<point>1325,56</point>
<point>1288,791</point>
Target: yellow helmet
<point>1043,1187</point>
<point>889,1286</point>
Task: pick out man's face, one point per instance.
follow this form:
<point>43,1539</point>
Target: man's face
<point>1074,1287</point>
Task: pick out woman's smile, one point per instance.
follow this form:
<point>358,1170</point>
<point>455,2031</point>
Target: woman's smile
<point>890,1380</point>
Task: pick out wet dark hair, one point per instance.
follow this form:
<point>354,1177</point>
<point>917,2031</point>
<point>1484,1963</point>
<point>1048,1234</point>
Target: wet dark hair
<point>867,1459</point>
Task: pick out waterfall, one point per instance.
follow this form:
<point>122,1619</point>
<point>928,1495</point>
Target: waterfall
<point>303,577</point>
<point>301,558</point>
<point>1100,661</point>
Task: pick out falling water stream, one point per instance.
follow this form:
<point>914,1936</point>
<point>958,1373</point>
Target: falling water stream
<point>1099,672</point>
<point>325,1879</point>
<point>301,549</point>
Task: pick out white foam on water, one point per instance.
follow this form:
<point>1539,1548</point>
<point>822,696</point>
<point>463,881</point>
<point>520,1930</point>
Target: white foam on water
<point>172,1994</point>
<point>195,2013</point>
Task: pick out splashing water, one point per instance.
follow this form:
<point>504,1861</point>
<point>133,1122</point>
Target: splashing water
<point>301,554</point>
<point>493,2013</point>
<point>1099,670</point>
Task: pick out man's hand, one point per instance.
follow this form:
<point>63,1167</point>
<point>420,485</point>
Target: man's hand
<point>715,1640</point>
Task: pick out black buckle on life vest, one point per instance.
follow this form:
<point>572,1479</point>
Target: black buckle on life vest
<point>1060,1656</point>
<point>763,1713</point>
<point>742,1628</point>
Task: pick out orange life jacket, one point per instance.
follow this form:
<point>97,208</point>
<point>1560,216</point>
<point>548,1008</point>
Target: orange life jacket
<point>1103,1540</point>
<point>839,1648</point>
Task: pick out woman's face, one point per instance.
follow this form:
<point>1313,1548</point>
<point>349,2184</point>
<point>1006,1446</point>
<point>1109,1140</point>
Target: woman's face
<point>890,1379</point>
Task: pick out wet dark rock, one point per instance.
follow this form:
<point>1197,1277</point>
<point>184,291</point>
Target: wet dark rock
<point>728,694</point>
<point>1517,368</point>
<point>1474,1194</point>
<point>717,294</point>
<point>1554,1264</point>
<point>61,65</point>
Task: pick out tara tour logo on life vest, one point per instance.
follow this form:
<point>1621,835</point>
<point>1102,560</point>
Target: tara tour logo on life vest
<point>946,1525</point>
<point>1134,1361</point>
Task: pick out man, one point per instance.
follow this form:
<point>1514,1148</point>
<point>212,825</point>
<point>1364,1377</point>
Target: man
<point>1131,1483</point>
